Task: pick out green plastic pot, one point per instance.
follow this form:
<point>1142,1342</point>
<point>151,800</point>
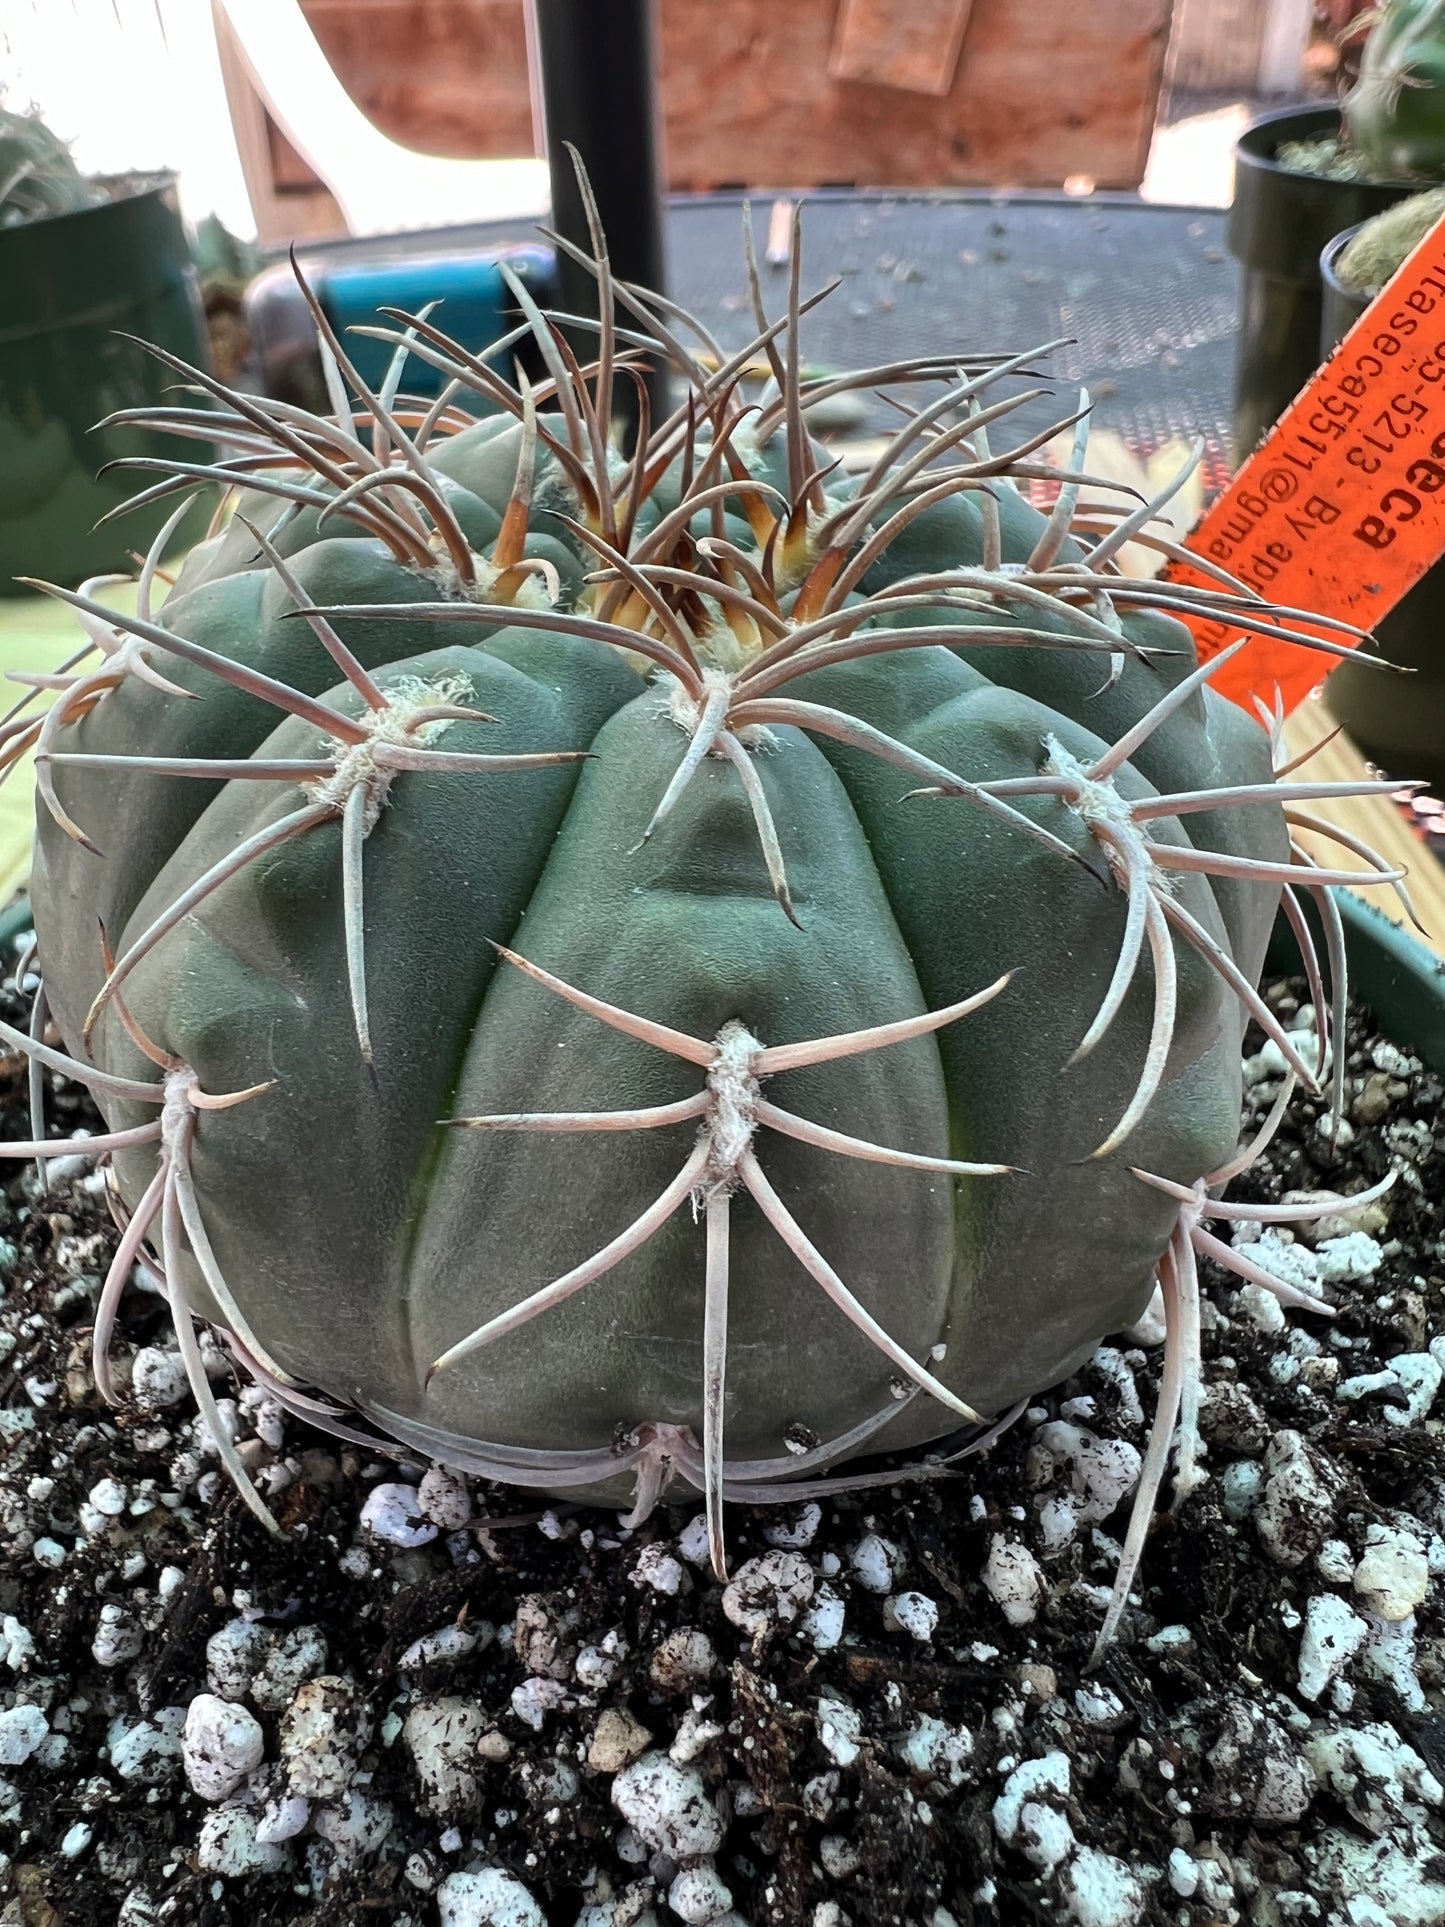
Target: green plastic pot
<point>1399,725</point>
<point>74,285</point>
<point>1277,225</point>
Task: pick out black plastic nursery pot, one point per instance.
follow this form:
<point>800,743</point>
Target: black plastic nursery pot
<point>1278,224</point>
<point>73,287</point>
<point>1398,724</point>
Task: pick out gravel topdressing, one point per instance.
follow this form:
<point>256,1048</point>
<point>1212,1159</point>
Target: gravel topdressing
<point>440,1702</point>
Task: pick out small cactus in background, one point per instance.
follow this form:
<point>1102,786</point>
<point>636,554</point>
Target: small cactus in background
<point>38,178</point>
<point>1382,243</point>
<point>1394,115</point>
<point>684,966</point>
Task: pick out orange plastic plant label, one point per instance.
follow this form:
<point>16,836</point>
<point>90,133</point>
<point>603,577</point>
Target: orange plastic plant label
<point>1342,507</point>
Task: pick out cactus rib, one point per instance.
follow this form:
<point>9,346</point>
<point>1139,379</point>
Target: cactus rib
<point>722,1160</point>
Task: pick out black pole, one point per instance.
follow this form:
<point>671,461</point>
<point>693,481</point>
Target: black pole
<point>598,94</point>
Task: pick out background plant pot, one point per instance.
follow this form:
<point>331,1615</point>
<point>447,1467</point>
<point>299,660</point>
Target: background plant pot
<point>1398,724</point>
<point>71,282</point>
<point>1401,980</point>
<point>1277,225</point>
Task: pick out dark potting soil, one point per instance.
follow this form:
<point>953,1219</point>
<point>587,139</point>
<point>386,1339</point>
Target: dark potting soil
<point>455,1704</point>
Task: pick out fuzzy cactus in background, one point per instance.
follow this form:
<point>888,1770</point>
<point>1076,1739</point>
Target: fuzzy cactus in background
<point>1394,115</point>
<point>1382,243</point>
<point>614,969</point>
<point>37,175</point>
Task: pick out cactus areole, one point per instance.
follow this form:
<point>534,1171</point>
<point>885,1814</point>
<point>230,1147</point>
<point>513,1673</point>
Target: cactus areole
<point>658,969</point>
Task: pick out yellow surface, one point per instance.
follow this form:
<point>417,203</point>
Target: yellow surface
<point>36,634</point>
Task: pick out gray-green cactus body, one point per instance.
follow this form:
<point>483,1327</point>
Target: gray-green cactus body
<point>361,1238</point>
<point>348,981</point>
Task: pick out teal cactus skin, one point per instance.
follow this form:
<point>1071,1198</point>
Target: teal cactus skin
<point>668,969</point>
<point>1394,115</point>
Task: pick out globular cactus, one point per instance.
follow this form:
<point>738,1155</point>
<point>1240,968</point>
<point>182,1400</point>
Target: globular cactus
<point>669,967</point>
<point>1394,115</point>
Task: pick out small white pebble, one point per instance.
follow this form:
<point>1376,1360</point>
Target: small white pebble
<point>1014,1579</point>
<point>1349,1260</point>
<point>393,1513</point>
<point>822,1624</point>
<point>110,1497</point>
<point>1183,1874</point>
<point>76,1840</point>
<point>489,1898</point>
<point>698,1895</point>
<point>1364,1385</point>
<point>800,1529</point>
<point>768,1591</point>
<point>221,1744</point>
<point>875,1563</point>
<point>17,1644</point>
<point>323,1731</point>
<point>936,1751</point>
<point>356,1827</point>
<point>291,1658</point>
<point>443,1498</point>
<point>1393,1575</point>
<point>1335,1562</point>
<point>1332,1636</point>
<point>1098,1706</point>
<point>658,1570</point>
<point>282,1819</point>
<point>22,1729</point>
<point>839,1856</point>
<point>1388,1655</point>
<point>48,1553</point>
<point>234,1655</point>
<point>118,1639</point>
<point>447,1643</point>
<point>693,1543</point>
<point>1102,1891</point>
<point>441,1736</point>
<point>1102,1472</point>
<point>1170,1639</point>
<point>158,1379</point>
<point>1262,1308</point>
<point>669,1806</point>
<point>535,1698</point>
<point>840,1728</point>
<point>1419,1376</point>
<point>911,1612</point>
<point>228,1845</point>
<point>1028,1814</point>
<point>148,1752</point>
<point>419,1872</point>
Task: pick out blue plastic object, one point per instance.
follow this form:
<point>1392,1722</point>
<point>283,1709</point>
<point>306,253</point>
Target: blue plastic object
<point>355,281</point>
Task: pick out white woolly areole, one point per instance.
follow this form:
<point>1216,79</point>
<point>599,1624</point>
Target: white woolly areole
<point>679,706</point>
<point>397,726</point>
<point>731,1119</point>
<point>1108,818</point>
